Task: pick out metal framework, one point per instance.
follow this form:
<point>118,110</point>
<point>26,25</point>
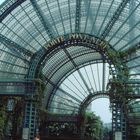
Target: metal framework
<point>78,15</point>
<point>114,18</point>
<point>15,48</point>
<point>71,52</point>
<point>44,22</point>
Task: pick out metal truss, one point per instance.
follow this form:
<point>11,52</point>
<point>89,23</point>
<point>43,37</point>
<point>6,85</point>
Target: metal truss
<point>30,119</point>
<point>12,88</point>
<point>78,16</point>
<point>119,105</point>
<point>34,64</point>
<point>43,19</point>
<point>14,47</point>
<point>114,18</point>
<point>118,118</point>
<point>40,58</point>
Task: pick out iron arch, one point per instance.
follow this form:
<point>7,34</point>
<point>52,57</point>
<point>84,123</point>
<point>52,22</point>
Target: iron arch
<point>91,98</point>
<point>108,54</point>
<point>53,92</point>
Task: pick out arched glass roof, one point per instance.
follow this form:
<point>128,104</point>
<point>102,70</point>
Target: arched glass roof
<point>73,91</point>
<point>28,25</point>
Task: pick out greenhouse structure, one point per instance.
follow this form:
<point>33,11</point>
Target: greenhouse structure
<point>57,56</point>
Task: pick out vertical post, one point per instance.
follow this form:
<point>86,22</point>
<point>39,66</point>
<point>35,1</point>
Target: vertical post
<point>78,16</point>
<point>30,118</point>
<point>116,116</point>
<point>30,114</point>
<point>81,126</point>
<point>118,135</point>
<point>123,124</point>
<point>118,120</point>
<point>104,74</point>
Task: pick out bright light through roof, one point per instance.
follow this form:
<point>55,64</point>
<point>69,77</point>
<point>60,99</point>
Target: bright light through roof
<point>1,1</point>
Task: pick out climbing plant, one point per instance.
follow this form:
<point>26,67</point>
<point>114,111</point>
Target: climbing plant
<point>10,120</point>
<point>2,121</point>
<point>3,115</point>
<point>40,91</point>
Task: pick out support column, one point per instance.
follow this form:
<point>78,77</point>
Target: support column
<point>124,126</point>
<point>81,126</point>
<point>118,121</point>
<point>82,130</point>
<point>30,120</point>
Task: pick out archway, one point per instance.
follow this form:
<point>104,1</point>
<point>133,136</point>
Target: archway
<point>101,52</point>
<point>37,34</point>
<point>101,107</point>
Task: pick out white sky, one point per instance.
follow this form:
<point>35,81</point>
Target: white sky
<point>1,1</point>
<point>99,106</point>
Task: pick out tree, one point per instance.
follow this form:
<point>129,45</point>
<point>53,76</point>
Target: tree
<point>94,126</point>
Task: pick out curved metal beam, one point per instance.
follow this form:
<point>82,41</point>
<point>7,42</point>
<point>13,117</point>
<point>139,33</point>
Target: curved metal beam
<point>86,40</point>
<point>90,98</point>
<point>39,59</point>
<point>76,67</point>
<point>56,87</point>
<point>82,65</point>
<point>79,66</point>
<point>10,9</point>
<point>60,89</point>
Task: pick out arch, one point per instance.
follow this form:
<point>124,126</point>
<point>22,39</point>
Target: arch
<point>91,98</point>
<point>108,53</point>
<point>111,21</point>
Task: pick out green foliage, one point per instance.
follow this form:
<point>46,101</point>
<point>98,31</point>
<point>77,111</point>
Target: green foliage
<point>62,129</point>
<point>3,102</point>
<point>117,60</point>
<point>2,120</point>
<point>41,87</point>
<point>138,130</point>
<point>134,132</point>
<point>12,119</point>
<point>94,126</point>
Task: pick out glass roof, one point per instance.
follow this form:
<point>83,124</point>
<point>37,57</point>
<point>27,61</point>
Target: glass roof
<point>73,90</point>
<point>28,25</point>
